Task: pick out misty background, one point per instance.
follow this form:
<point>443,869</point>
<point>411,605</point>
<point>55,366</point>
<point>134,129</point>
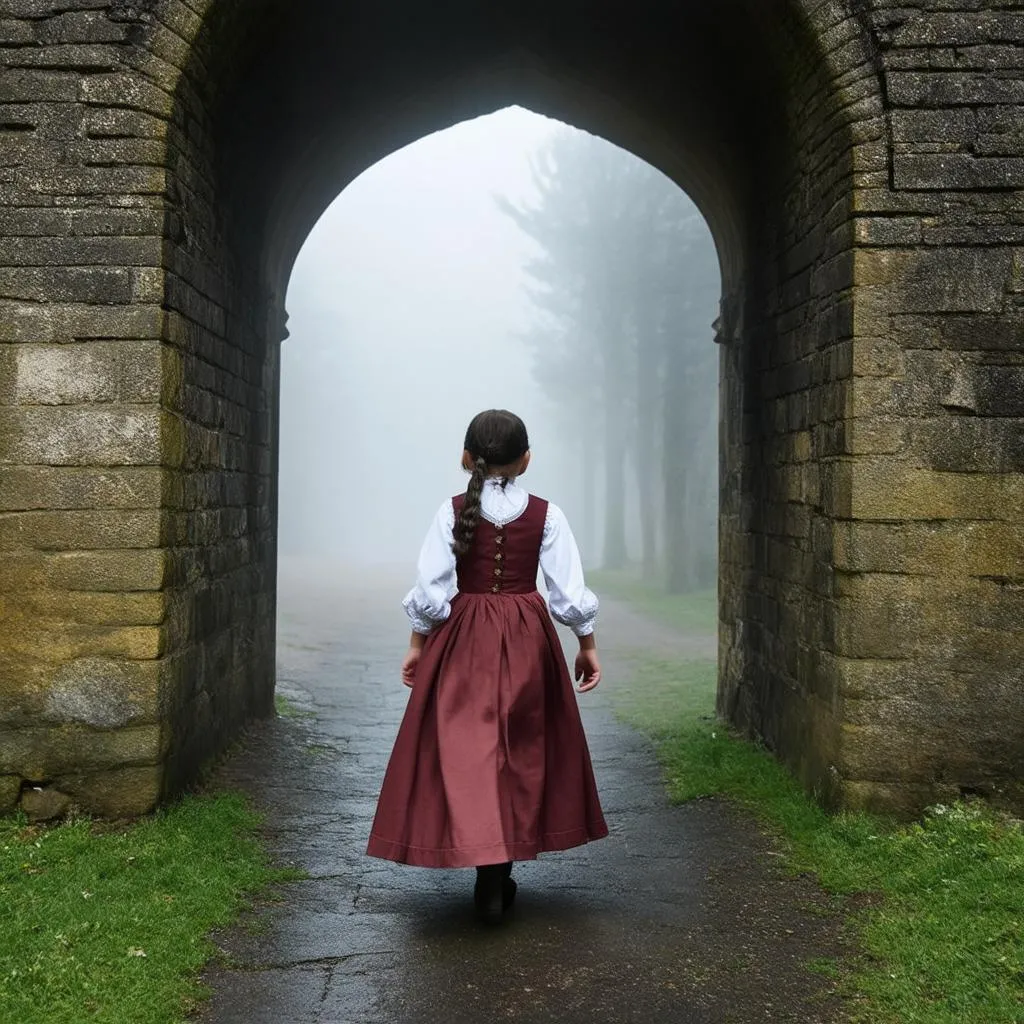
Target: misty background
<point>514,262</point>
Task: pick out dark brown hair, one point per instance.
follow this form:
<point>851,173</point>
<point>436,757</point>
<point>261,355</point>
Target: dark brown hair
<point>494,438</point>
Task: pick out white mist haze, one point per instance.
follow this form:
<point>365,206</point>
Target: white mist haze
<point>507,262</point>
<point>405,305</point>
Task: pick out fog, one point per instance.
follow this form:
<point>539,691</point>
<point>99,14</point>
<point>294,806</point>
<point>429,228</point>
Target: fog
<point>427,292</point>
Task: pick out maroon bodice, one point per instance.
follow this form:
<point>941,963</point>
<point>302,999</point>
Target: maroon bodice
<point>503,559</point>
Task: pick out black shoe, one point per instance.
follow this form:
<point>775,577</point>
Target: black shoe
<point>489,893</point>
<point>508,885</point>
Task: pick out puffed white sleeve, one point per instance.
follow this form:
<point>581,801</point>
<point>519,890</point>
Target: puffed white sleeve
<point>428,604</point>
<point>570,601</point>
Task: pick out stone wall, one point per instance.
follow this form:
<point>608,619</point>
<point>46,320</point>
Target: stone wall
<point>136,446</point>
<point>929,655</point>
<point>83,573</point>
<point>861,167</point>
<point>892,445</point>
<point>787,368</point>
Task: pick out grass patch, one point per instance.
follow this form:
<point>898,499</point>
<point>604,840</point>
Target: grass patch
<point>110,925</point>
<point>286,709</point>
<point>824,966</point>
<point>690,613</point>
<point>320,750</point>
<point>945,944</point>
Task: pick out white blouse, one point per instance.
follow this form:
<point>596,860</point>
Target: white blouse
<point>428,604</point>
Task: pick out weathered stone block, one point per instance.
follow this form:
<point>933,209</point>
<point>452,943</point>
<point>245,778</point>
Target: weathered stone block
<point>12,31</point>
<point>118,793</point>
<point>26,673</point>
<point>24,571</point>
<point>81,373</point>
<point>968,333</point>
<point>62,322</point>
<point>74,530</point>
<point>962,444</point>
<point>119,122</point>
<point>893,490</point>
<point>123,90</point>
<point>44,752</point>
<point>932,28</point>
<point>79,251</point>
<point>80,26</point>
<point>942,89</point>
<point>954,126</point>
<point>954,281</point>
<point>938,726</point>
<point>954,549</point>
<point>875,435</point>
<point>878,267</point>
<point>110,285</point>
<point>104,693</point>
<point>69,638</point>
<point>86,58</point>
<point>896,231</point>
<point>115,571</point>
<point>141,608</point>
<point>113,185</point>
<point>44,803</point>
<point>897,799</point>
<point>135,221</point>
<point>28,488</point>
<point>35,86</point>
<point>79,436</point>
<point>962,171</point>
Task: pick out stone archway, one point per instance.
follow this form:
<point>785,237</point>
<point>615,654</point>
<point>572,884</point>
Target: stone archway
<point>170,157</point>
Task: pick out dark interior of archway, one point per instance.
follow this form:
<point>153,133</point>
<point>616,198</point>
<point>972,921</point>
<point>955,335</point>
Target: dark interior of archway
<point>284,104</point>
<point>305,103</point>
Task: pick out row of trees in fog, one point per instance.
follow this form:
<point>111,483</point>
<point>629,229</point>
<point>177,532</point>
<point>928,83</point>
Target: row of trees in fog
<point>626,288</point>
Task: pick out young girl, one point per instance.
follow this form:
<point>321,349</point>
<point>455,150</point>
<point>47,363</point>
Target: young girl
<point>491,764</point>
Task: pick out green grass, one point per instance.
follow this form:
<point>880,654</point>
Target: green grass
<point>691,613</point>
<point>110,926</point>
<point>943,943</point>
<point>320,750</point>
<point>286,709</point>
<point>824,966</point>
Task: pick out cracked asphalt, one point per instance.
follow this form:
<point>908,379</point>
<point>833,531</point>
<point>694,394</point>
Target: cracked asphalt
<point>683,914</point>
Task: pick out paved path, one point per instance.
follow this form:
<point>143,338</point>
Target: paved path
<point>682,915</point>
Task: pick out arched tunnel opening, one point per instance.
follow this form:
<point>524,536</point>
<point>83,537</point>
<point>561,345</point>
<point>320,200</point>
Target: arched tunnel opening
<point>734,102</point>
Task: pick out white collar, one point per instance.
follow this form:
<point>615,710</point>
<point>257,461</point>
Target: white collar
<point>500,505</point>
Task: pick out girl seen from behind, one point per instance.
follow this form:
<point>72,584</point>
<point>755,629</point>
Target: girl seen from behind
<point>491,764</point>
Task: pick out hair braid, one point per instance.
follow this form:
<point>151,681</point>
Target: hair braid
<point>469,516</point>
<point>495,438</point>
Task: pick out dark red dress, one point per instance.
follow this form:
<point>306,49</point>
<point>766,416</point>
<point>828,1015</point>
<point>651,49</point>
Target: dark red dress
<point>491,763</point>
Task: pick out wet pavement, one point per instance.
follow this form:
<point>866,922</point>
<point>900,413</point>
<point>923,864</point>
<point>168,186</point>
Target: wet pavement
<point>683,914</point>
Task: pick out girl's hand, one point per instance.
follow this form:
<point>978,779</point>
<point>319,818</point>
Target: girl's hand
<point>412,657</point>
<point>409,663</point>
<point>588,668</point>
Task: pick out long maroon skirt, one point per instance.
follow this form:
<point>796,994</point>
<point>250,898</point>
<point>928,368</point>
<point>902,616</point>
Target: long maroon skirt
<point>491,763</point>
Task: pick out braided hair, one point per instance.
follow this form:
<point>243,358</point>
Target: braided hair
<point>495,438</point>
